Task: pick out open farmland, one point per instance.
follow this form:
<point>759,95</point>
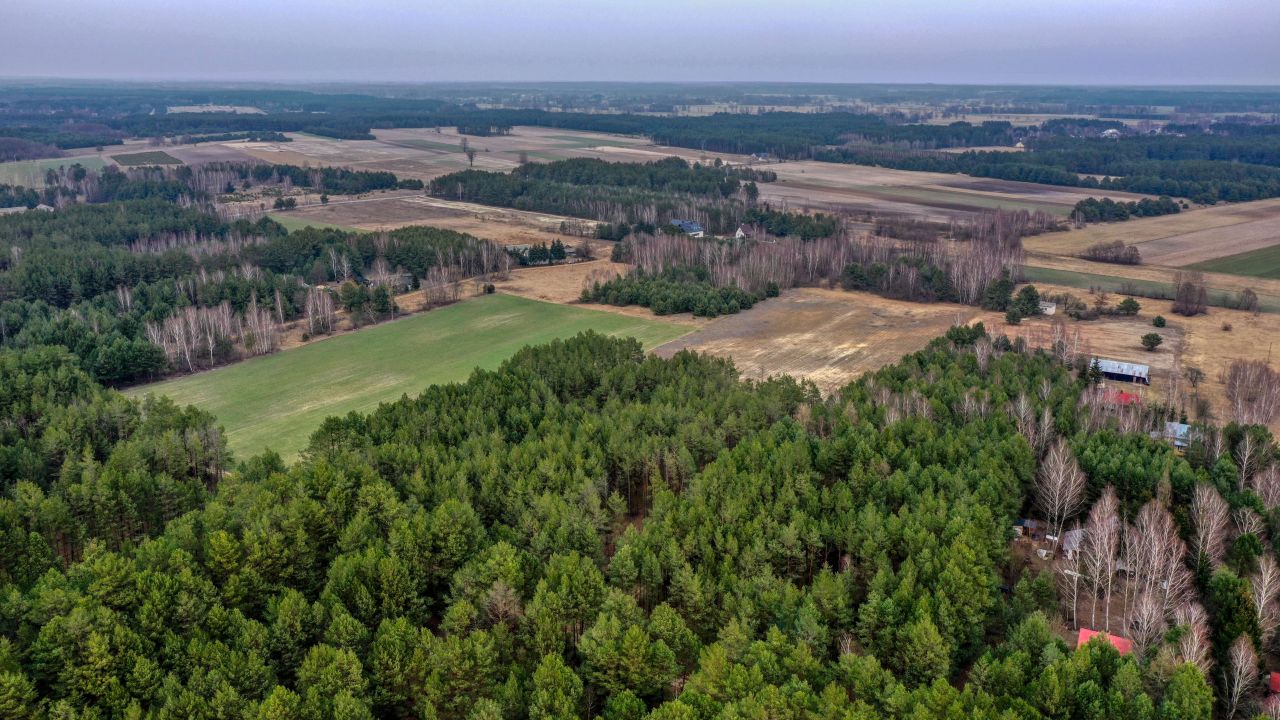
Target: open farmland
<point>278,400</point>
<point>933,196</point>
<point>30,173</point>
<point>1190,238</point>
<point>153,157</point>
<point>424,154</point>
<point>1146,279</point>
<point>829,337</point>
<point>1264,263</point>
<point>390,210</point>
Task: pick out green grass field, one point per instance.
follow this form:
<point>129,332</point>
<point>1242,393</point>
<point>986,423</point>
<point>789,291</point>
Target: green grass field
<point>150,157</point>
<point>1143,288</point>
<point>30,173</point>
<point>1263,263</point>
<point>278,400</point>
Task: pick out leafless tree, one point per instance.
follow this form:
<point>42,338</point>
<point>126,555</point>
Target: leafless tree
<point>1265,585</point>
<point>1146,622</point>
<point>1240,675</point>
<point>1266,483</point>
<point>1102,553</point>
<point>1246,454</point>
<point>1271,707</point>
<point>1023,412</point>
<point>1070,572</point>
<point>1248,522</point>
<point>1060,487</point>
<point>1194,645</point>
<point>1154,555</point>
<point>320,311</point>
<point>1190,295</point>
<point>1209,517</point>
<point>1253,390</point>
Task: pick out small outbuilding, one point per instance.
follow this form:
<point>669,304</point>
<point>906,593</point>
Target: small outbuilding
<point>1124,371</point>
<point>1177,434</point>
<point>1048,308</point>
<point>1119,398</point>
<point>1072,542</point>
<point>1123,645</point>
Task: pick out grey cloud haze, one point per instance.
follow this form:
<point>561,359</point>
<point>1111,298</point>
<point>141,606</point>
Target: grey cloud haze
<point>980,41</point>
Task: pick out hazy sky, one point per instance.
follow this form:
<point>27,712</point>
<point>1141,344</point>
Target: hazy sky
<point>944,41</point>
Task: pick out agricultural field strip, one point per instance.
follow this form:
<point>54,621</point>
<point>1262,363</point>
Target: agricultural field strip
<point>1264,263</point>
<point>1151,234</point>
<point>279,400</point>
<point>30,173</point>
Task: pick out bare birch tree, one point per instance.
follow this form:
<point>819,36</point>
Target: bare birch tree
<point>1070,572</point>
<point>1266,484</point>
<point>1239,676</point>
<point>1194,645</point>
<point>1102,553</point>
<point>1210,516</point>
<point>1059,487</point>
<point>1154,554</point>
<point>1265,586</point>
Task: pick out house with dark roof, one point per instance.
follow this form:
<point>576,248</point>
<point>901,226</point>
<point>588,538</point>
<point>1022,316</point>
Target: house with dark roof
<point>1124,371</point>
<point>689,227</point>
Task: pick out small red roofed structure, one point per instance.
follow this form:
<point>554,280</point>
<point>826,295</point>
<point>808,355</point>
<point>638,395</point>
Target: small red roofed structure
<point>1121,398</point>
<point>1274,685</point>
<point>1124,645</point>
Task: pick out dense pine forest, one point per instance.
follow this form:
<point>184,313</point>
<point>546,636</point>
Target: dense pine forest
<point>590,532</point>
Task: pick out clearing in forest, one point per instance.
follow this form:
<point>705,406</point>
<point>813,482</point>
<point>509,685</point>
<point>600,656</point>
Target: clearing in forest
<point>278,400</point>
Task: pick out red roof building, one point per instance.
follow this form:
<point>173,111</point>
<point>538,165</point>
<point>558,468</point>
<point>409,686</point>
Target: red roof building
<point>1275,683</point>
<point>1124,645</point>
<point>1121,398</point>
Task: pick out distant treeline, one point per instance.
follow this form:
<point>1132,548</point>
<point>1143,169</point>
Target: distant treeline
<point>339,181</point>
<point>621,194</point>
<point>1202,181</point>
<point>253,136</point>
<point>1108,210</point>
<point>12,148</point>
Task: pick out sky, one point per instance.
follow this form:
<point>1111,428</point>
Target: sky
<point>1114,42</point>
